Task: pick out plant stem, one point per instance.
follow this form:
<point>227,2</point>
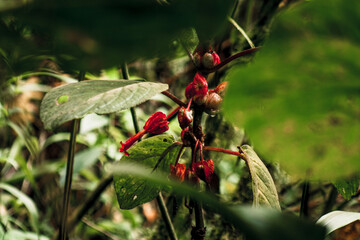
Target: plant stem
<point>304,207</point>
<point>215,149</point>
<point>159,198</point>
<point>229,59</point>
<point>174,98</point>
<point>125,73</point>
<point>89,202</point>
<point>165,214</point>
<point>69,173</point>
<point>198,232</point>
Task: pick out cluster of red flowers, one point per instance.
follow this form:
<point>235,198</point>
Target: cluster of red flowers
<point>197,93</point>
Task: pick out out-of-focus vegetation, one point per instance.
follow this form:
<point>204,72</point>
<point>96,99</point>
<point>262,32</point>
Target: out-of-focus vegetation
<point>297,103</point>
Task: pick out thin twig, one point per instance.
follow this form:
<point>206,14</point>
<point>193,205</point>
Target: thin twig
<point>304,207</point>
<point>229,59</point>
<point>174,98</point>
<point>237,26</point>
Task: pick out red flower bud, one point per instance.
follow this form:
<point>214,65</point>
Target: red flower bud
<point>210,60</point>
<point>157,123</point>
<point>191,177</point>
<point>204,170</point>
<point>178,171</point>
<point>198,87</point>
<point>185,117</point>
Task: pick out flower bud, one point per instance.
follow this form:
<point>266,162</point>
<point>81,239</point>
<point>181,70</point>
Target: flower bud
<point>210,59</point>
<point>213,103</point>
<point>204,170</point>
<point>178,171</point>
<point>157,123</point>
<point>198,87</point>
<point>185,117</point>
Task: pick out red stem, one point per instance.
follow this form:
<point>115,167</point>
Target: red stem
<point>229,59</point>
<point>215,149</point>
<point>174,98</point>
<point>173,112</point>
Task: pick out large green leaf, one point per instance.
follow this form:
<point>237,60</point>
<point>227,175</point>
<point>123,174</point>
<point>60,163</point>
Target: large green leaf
<point>75,100</point>
<point>255,223</point>
<point>132,191</point>
<point>263,186</point>
<point>299,101</point>
<point>338,219</point>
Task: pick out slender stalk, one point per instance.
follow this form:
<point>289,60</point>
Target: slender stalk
<point>69,173</point>
<point>242,31</point>
<point>174,98</point>
<point>229,59</point>
<point>215,149</point>
<point>165,214</point>
<point>304,207</point>
<point>89,202</point>
<point>160,200</point>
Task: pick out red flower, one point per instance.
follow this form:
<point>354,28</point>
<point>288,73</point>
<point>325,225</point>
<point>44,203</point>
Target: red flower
<point>177,171</point>
<point>198,87</point>
<point>156,124</point>
<point>204,170</point>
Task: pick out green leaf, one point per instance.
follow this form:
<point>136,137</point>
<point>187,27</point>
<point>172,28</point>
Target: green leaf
<point>255,223</point>
<point>337,219</point>
<point>299,101</point>
<point>28,202</point>
<point>132,191</point>
<point>347,188</point>
<point>263,186</point>
<point>94,96</point>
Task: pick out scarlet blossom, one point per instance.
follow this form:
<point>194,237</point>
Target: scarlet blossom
<point>204,170</point>
<point>156,124</point>
<point>198,87</point>
<point>178,171</point>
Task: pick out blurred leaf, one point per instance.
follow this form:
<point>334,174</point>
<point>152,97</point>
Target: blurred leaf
<point>132,191</point>
<point>28,202</point>
<point>11,4</point>
<point>347,188</point>
<point>16,234</point>
<point>255,223</point>
<point>263,186</point>
<point>91,122</point>
<point>93,35</point>
<point>299,101</point>
<point>83,159</point>
<point>337,219</point>
<point>95,96</point>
